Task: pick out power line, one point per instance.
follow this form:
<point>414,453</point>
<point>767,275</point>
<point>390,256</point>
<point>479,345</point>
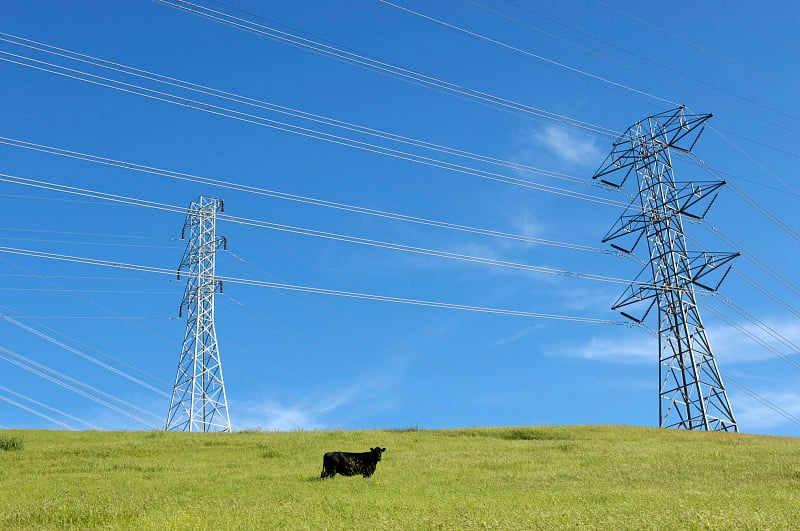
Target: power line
<point>698,46</point>
<point>37,413</point>
<point>81,354</point>
<point>171,174</point>
<point>296,113</point>
<point>80,277</point>
<point>753,337</point>
<point>308,232</point>
<point>763,401</point>
<point>760,287</point>
<point>99,317</point>
<point>67,290</point>
<point>73,233</point>
<point>530,54</point>
<point>71,417</point>
<point>31,366</point>
<point>47,279</point>
<point>672,71</point>
<point>770,34</point>
<point>303,131</point>
<point>752,258</point>
<point>104,244</point>
<point>437,369</point>
<point>764,327</point>
<point>755,284</point>
<point>380,65</point>
<point>752,159</point>
<point>758,207</point>
<point>308,289</point>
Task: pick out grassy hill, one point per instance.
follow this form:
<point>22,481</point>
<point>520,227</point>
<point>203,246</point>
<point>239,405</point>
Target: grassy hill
<point>510,478</point>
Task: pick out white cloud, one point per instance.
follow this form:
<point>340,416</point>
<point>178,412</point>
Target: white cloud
<point>752,415</point>
<point>517,336</point>
<point>626,348</point>
<point>732,346</point>
<point>527,224</point>
<point>570,147</point>
<point>306,414</point>
<point>314,411</point>
<point>729,345</point>
<point>583,299</point>
<point>272,416</point>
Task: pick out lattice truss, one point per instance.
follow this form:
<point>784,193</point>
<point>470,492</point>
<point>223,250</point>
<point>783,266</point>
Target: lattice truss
<point>691,394</point>
<point>199,402</point>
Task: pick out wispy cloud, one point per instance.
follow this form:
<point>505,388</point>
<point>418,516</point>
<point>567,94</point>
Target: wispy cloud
<point>308,413</point>
<point>584,299</point>
<point>635,347</point>
<point>752,415</point>
<point>729,344</point>
<point>568,146</point>
<point>527,224</point>
<point>316,410</point>
<point>517,336</point>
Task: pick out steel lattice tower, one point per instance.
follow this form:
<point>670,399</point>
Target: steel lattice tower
<point>691,395</point>
<point>198,400</point>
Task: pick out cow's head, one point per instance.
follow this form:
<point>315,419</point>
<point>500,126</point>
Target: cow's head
<point>376,452</point>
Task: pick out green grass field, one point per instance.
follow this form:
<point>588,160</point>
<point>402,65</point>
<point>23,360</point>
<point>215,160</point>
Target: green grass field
<point>607,477</point>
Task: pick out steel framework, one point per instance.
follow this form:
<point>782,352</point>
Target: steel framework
<point>199,402</point>
<point>691,393</point>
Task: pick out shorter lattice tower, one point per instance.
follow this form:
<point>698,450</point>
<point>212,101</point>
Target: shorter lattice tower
<point>691,395</point>
<point>198,400</point>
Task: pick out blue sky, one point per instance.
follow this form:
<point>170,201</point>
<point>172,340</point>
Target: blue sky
<point>294,360</point>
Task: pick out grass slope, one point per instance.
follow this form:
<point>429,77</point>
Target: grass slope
<point>514,478</point>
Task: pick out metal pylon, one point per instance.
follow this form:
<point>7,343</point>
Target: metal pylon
<point>691,393</point>
<point>198,400</point>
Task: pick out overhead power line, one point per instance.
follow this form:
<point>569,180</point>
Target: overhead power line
<point>307,232</point>
<point>361,59</point>
<point>37,413</point>
<point>181,176</point>
<point>759,263</point>
<point>281,109</point>
<point>763,401</point>
<point>380,65</point>
<point>752,258</point>
<point>308,289</point>
<point>761,325</point>
<point>225,112</point>
<point>662,79</point>
<point>76,242</point>
<point>700,47</point>
<point>755,338</point>
<point>74,233</point>
<point>527,53</point>
<point>83,355</point>
<point>61,379</point>
<point>54,410</point>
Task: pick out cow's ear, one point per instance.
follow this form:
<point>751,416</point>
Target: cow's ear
<point>383,449</point>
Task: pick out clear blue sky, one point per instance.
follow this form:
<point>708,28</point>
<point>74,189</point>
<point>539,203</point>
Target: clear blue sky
<point>294,360</point>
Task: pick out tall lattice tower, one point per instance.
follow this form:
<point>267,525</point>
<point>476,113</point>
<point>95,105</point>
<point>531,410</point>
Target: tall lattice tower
<point>691,394</point>
<point>198,400</point>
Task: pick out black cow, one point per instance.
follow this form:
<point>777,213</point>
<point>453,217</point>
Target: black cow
<point>351,464</point>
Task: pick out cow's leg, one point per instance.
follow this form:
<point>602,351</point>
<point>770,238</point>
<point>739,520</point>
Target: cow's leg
<point>326,473</point>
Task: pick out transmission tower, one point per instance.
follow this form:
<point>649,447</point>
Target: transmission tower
<point>691,394</point>
<point>198,400</point>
